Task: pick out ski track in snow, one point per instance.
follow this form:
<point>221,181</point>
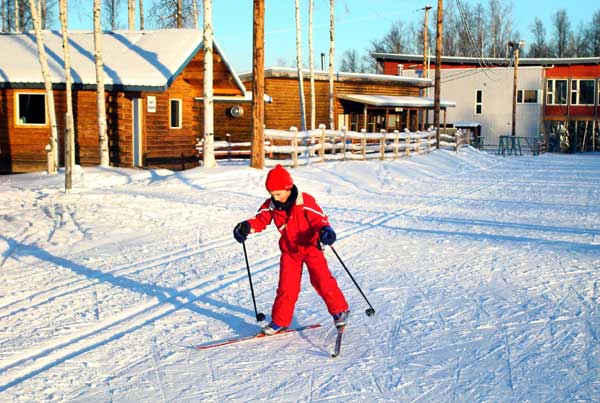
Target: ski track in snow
<point>483,291</point>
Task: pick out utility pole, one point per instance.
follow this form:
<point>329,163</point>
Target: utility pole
<point>426,42</point>
<point>257,157</point>
<point>515,47</point>
<point>438,72</point>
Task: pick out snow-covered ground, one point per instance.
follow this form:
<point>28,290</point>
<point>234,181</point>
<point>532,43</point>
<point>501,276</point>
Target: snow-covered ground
<point>484,272</point>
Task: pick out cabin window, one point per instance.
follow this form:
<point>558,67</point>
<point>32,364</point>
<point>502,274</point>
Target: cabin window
<point>582,92</point>
<point>175,113</point>
<point>556,92</point>
<point>31,109</point>
<point>478,102</point>
<point>527,96</point>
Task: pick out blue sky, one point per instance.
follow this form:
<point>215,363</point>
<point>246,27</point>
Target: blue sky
<point>357,23</point>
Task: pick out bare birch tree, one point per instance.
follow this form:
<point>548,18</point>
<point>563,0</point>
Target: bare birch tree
<point>172,14</point>
<point>311,61</point>
<point>195,7</point>
<point>100,96</point>
<point>331,60</point>
<point>208,147</point>
<point>69,139</point>
<point>141,15</point>
<point>299,67</point>
<point>53,141</point>
<point>17,16</point>
<point>131,15</point>
<point>111,13</point>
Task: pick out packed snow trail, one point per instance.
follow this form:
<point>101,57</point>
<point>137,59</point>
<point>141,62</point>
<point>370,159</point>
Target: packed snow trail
<point>483,271</point>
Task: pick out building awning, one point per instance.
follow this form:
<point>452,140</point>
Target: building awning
<point>392,101</point>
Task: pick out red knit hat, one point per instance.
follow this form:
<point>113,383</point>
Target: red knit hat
<point>279,178</point>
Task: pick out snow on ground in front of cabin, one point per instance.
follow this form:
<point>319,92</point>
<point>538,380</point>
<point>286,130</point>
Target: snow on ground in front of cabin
<point>483,270</point>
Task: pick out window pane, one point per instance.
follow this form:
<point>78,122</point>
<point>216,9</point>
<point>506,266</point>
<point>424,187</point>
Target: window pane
<point>32,109</point>
<point>586,92</point>
<point>520,96</point>
<point>561,92</point>
<point>478,109</point>
<point>550,85</point>
<point>479,96</point>
<point>530,96</point>
<point>175,113</point>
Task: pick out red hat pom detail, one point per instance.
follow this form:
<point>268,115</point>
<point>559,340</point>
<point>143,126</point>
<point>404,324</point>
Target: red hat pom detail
<point>279,178</point>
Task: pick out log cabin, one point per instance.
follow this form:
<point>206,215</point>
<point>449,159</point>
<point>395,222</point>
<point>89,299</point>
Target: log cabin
<point>153,90</point>
<point>361,101</point>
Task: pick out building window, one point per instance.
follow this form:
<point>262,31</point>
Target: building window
<point>175,113</point>
<point>478,102</point>
<point>31,109</point>
<point>556,92</point>
<point>527,96</point>
<point>582,92</point>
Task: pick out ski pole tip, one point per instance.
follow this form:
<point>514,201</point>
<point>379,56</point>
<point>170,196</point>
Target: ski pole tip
<point>260,317</point>
<point>370,312</point>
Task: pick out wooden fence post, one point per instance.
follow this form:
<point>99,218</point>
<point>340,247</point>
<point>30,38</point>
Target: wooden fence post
<point>363,143</point>
<point>418,144</point>
<point>382,145</point>
<point>294,144</point>
<point>408,133</point>
<point>322,142</point>
<point>344,135</point>
<point>396,144</point>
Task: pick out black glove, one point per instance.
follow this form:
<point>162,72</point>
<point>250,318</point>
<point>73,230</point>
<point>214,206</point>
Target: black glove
<point>327,235</point>
<point>241,231</point>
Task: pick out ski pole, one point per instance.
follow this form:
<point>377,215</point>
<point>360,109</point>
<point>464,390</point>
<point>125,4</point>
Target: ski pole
<point>370,311</point>
<point>259,316</point>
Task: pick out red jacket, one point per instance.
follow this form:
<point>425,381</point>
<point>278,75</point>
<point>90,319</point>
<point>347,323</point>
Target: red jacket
<point>299,226</point>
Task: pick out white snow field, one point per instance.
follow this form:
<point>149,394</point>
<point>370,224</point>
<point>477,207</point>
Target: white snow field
<point>484,272</point>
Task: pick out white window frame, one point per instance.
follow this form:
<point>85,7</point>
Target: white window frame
<point>479,94</point>
<point>551,91</point>
<point>576,91</point>
<point>18,112</point>
<point>521,94</point>
<point>180,114</point>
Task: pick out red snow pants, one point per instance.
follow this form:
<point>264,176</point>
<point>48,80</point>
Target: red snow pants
<point>290,275</point>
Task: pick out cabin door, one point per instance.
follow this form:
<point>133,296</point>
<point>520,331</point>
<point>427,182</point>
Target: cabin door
<point>137,132</point>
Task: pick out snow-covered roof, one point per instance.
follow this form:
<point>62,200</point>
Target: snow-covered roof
<point>466,123</point>
<point>395,101</point>
<point>341,76</point>
<point>144,60</point>
<point>490,61</point>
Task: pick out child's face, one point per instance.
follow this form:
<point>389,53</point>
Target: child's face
<point>280,195</point>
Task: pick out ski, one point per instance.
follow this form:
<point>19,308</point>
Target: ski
<point>338,341</point>
<point>236,340</point>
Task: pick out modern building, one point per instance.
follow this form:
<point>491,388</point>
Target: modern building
<point>556,98</point>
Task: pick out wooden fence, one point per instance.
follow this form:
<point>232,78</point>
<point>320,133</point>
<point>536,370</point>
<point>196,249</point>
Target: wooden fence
<point>293,147</point>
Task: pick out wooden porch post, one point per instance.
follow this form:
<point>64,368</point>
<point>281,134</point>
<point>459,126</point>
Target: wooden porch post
<point>257,158</point>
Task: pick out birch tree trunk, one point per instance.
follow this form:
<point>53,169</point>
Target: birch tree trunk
<point>131,14</point>
<point>312,65</point>
<point>331,60</point>
<point>53,141</point>
<point>195,6</point>
<point>208,148</point>
<point>16,11</point>
<point>100,96</point>
<point>141,15</point>
<point>299,64</point>
<point>179,14</point>
<point>69,134</point>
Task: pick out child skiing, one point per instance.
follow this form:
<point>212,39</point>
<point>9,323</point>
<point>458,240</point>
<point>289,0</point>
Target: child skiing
<point>302,224</point>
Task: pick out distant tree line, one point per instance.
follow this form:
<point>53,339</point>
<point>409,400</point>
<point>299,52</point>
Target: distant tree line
<point>15,15</point>
<point>481,31</point>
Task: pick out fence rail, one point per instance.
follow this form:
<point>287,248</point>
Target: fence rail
<point>293,147</point>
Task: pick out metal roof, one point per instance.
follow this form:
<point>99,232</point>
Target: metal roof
<point>395,101</point>
<point>489,61</point>
<point>288,72</point>
<point>133,60</point>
